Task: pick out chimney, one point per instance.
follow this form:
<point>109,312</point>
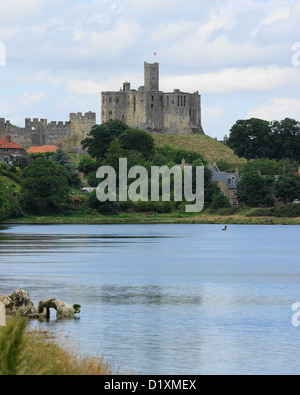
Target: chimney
<point>8,138</point>
<point>60,145</point>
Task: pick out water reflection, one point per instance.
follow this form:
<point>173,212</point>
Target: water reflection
<point>182,299</point>
<point>147,295</point>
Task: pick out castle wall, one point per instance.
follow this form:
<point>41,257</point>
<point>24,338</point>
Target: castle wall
<point>38,132</point>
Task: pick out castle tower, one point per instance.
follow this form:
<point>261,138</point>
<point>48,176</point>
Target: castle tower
<point>151,75</point>
<point>152,110</point>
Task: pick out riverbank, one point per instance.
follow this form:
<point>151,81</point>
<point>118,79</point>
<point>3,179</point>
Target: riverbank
<point>239,218</point>
<point>37,353</point>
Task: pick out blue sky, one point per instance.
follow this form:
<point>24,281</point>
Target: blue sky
<point>61,54</point>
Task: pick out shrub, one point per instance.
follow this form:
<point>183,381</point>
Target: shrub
<point>12,344</point>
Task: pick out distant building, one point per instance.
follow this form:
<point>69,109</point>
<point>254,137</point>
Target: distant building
<point>44,149</point>
<point>152,110</point>
<point>9,150</point>
<point>227,182</point>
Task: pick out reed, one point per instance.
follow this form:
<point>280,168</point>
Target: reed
<point>35,353</point>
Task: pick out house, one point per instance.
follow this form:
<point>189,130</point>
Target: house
<point>9,150</point>
<point>227,182</point>
<point>43,151</point>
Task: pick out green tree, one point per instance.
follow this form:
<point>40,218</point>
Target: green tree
<point>219,200</point>
<point>4,202</point>
<point>87,164</point>
<point>251,139</point>
<point>137,140</point>
<point>176,155</point>
<point>104,208</point>
<point>288,188</point>
<point>286,139</point>
<point>63,160</point>
<point>263,166</point>
<point>45,188</point>
<point>9,204</point>
<point>101,136</point>
<point>255,190</point>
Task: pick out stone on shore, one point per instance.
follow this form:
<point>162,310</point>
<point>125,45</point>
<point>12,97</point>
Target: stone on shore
<point>2,314</point>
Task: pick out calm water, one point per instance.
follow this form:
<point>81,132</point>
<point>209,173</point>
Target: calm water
<point>166,299</point>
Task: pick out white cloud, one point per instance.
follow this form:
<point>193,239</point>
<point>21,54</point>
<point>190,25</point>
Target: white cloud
<point>233,80</point>
<point>277,109</point>
<point>212,113</point>
<point>31,98</point>
<point>16,11</point>
<point>86,88</point>
<point>66,52</point>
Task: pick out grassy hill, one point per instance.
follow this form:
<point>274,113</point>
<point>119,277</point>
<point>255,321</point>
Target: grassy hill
<point>211,149</point>
<point>8,182</point>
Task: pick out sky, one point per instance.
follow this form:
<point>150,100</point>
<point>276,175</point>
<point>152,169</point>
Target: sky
<point>243,56</point>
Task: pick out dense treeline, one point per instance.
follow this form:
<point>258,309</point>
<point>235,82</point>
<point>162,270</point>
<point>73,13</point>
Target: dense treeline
<point>273,151</point>
<point>49,187</point>
<point>109,142</point>
<point>256,138</point>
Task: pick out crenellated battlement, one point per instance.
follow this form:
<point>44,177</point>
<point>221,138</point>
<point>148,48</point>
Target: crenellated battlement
<point>88,116</point>
<point>39,132</point>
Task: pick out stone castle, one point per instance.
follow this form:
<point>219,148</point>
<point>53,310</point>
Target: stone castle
<point>147,109</point>
<point>152,110</point>
<point>39,132</point>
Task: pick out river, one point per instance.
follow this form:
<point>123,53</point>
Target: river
<point>166,299</point>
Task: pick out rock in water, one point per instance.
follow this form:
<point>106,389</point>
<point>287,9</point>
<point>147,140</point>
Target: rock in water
<point>63,310</point>
<point>19,303</point>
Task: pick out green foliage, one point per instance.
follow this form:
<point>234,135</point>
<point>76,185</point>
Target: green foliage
<point>271,167</point>
<point>104,208</point>
<point>251,138</point>
<point>286,210</point>
<point>287,188</point>
<point>256,138</point>
<point>63,160</point>
<point>219,200</point>
<point>137,140</point>
<point>92,180</point>
<point>9,205</point>
<point>45,188</point>
<point>21,162</point>
<point>4,203</point>
<point>175,155</point>
<point>12,344</point>
<point>286,139</point>
<point>13,176</point>
<point>87,164</point>
<point>101,136</point>
<point>255,190</point>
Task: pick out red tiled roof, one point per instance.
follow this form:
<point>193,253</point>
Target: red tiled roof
<point>9,144</point>
<point>43,149</point>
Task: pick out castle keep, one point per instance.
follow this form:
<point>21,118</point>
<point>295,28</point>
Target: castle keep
<point>152,110</point>
<point>39,132</point>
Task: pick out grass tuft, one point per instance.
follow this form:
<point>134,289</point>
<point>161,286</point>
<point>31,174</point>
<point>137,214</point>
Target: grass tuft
<point>35,354</point>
